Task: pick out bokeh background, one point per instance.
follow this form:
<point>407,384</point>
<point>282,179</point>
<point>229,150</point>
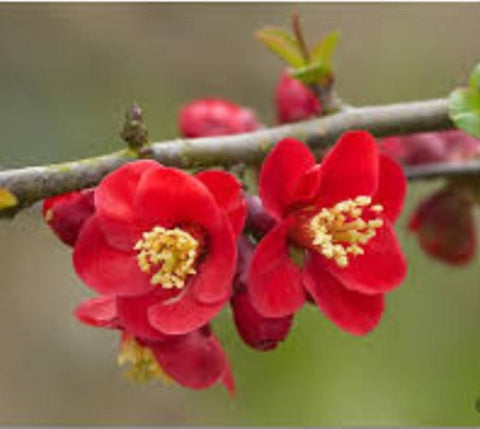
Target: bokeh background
<point>67,72</point>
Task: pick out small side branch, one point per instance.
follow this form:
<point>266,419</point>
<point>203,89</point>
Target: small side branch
<point>31,184</point>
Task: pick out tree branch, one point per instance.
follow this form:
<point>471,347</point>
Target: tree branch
<point>31,184</point>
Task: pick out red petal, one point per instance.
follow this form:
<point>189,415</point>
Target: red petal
<point>285,165</point>
<point>392,187</point>
<point>275,282</point>
<point>213,281</point>
<point>105,269</point>
<point>115,204</point>
<point>228,194</point>
<point>115,195</point>
<point>227,379</point>
<point>352,311</point>
<point>181,314</point>
<point>195,360</point>
<point>380,269</point>
<point>99,312</point>
<point>169,197</point>
<point>349,169</point>
<point>132,312</point>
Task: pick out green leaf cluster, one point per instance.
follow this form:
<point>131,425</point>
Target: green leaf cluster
<point>315,68</point>
<point>464,105</point>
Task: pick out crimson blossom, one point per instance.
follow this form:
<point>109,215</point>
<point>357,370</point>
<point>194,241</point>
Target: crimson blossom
<point>163,233</point>
<point>334,241</point>
<point>195,360</point>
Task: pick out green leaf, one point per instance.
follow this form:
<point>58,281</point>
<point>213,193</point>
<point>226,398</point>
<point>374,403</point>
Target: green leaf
<point>323,51</point>
<point>283,44</point>
<point>464,110</point>
<point>312,74</point>
<point>475,78</point>
<point>7,199</point>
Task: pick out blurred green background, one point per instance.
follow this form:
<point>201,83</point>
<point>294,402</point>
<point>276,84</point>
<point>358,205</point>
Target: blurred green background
<point>67,73</point>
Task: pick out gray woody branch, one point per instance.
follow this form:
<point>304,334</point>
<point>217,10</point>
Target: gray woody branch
<point>31,184</point>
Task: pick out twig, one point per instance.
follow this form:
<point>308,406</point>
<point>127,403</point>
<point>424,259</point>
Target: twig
<point>31,184</point>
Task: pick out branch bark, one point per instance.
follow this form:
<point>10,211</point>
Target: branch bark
<point>31,184</point>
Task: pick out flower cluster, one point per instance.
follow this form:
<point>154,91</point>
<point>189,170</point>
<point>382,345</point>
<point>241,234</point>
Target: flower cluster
<point>444,221</point>
<point>166,251</point>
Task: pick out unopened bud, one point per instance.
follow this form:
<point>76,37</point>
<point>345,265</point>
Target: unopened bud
<point>134,129</point>
<point>67,213</point>
<point>445,226</point>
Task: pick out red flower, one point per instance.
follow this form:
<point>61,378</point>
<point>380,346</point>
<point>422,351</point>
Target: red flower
<point>257,331</point>
<point>67,213</point>
<point>160,230</point>
<point>336,221</point>
<point>445,226</point>
<point>208,117</point>
<point>195,360</point>
<point>294,101</point>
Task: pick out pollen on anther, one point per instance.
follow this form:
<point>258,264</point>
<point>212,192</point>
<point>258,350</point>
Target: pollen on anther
<point>172,251</point>
<point>341,231</point>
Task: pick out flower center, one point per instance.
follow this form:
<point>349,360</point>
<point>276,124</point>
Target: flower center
<point>173,251</point>
<point>143,364</point>
<point>341,231</point>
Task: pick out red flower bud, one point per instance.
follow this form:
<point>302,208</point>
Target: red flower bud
<point>445,226</point>
<point>294,101</point>
<point>260,333</point>
<point>67,213</point>
<point>208,117</point>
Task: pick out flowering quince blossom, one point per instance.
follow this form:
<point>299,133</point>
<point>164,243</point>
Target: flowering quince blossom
<point>294,101</point>
<point>209,117</point>
<point>195,360</point>
<point>161,231</point>
<point>445,226</point>
<point>334,240</point>
<point>259,332</point>
<point>67,213</point>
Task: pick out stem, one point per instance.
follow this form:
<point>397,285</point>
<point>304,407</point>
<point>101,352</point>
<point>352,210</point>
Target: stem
<point>298,33</point>
<point>31,184</point>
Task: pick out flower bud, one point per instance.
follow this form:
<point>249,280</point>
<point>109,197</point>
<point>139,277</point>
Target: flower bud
<point>445,226</point>
<point>208,117</point>
<point>260,333</point>
<point>294,101</point>
<point>67,213</point>
<point>134,129</point>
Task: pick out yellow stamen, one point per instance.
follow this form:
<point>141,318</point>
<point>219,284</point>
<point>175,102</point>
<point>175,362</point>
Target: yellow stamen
<point>174,251</point>
<point>143,364</point>
<point>340,231</point>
